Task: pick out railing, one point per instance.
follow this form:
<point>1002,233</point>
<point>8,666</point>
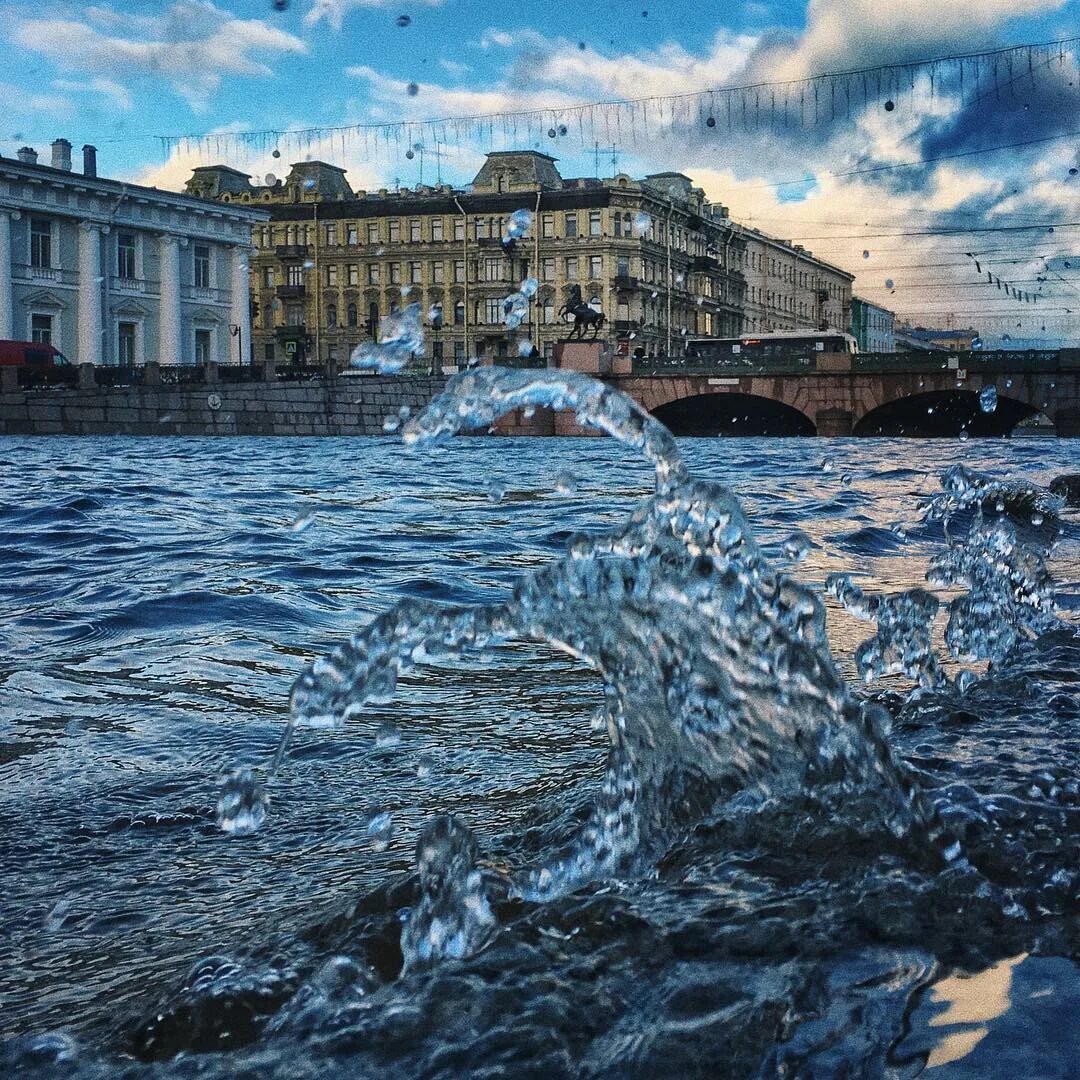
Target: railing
<point>42,376</point>
<point>208,293</point>
<point>291,251</point>
<point>529,362</point>
<point>53,274</point>
<point>132,286</point>
<point>291,292</point>
<point>180,374</point>
<point>995,362</point>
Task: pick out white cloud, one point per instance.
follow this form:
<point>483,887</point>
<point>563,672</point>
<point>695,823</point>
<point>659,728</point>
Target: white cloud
<point>193,45</point>
<point>119,96</point>
<point>19,101</point>
<point>334,11</point>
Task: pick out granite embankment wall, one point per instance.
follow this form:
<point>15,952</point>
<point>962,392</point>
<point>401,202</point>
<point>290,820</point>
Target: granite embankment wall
<point>341,406</point>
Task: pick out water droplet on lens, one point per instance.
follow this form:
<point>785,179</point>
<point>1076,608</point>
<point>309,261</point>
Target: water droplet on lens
<point>275,153</point>
<point>565,482</point>
<point>827,465</point>
<point>403,20</point>
<point>391,424</point>
<point>642,223</point>
<point>241,807</point>
<point>298,525</point>
<point>797,547</point>
<point>412,90</point>
<point>890,105</point>
<point>270,179</point>
<point>281,5</point>
<point>1037,519</point>
<point>495,491</point>
<point>710,122</point>
<point>988,399</point>
<point>963,436</point>
<point>551,133</point>
<point>888,283</point>
<point>866,254</point>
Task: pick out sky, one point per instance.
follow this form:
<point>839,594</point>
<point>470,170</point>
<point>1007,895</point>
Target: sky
<point>899,196</point>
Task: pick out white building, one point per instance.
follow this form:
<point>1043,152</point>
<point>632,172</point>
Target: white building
<point>114,273</point>
<point>788,289</point>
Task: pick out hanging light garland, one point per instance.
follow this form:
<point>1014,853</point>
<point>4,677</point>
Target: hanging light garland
<point>761,107</point>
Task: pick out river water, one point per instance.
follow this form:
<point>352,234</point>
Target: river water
<point>160,596</point>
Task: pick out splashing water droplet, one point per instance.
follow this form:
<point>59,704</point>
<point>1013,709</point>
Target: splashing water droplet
<point>529,287</point>
<point>963,436</point>
<point>1037,518</point>
<point>495,491</point>
<point>301,523</point>
<point>845,479</point>
<point>988,399</point>
<point>827,465</point>
<point>890,105</point>
<point>565,482</point>
<point>404,412</point>
<point>391,424</point>
<point>517,224</point>
<point>965,681</point>
<point>412,90</point>
<point>401,338</point>
<point>380,831</point>
<point>241,807</point>
<point>515,310</point>
<point>270,179</point>
<point>888,283</point>
<point>551,133</point>
<point>425,766</point>
<point>403,20</point>
<point>865,254</point>
<point>797,546</point>
<point>642,223</point>
<point>387,737</point>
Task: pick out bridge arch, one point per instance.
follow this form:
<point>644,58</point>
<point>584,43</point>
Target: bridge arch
<point>942,414</point>
<point>732,413</point>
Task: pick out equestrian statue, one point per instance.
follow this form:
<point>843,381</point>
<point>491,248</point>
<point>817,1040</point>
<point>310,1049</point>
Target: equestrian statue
<point>585,317</point>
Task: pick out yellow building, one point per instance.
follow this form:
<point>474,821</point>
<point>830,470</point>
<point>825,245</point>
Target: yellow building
<point>654,255</point>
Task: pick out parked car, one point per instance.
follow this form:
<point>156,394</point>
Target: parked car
<point>31,353</point>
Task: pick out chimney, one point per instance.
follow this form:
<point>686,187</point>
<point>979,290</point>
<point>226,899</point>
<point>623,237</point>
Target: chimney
<point>27,155</point>
<point>61,154</point>
<point>89,160</point>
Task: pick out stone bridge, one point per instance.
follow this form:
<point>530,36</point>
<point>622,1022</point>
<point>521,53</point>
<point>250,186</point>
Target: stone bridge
<point>877,394</point>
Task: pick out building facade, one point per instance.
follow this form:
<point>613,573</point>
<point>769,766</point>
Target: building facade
<point>932,339</point>
<point>872,326</point>
<point>654,255</point>
<point>115,273</point>
<point>787,288</point>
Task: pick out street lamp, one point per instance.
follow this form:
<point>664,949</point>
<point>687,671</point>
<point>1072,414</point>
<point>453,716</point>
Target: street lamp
<point>435,318</point>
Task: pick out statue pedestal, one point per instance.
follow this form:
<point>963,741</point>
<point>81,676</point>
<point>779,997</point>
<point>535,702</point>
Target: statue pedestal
<point>592,357</point>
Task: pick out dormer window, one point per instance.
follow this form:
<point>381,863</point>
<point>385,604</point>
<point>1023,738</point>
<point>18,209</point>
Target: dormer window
<point>500,182</point>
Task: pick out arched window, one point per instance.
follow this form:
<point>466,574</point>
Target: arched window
<point>331,314</point>
<point>459,313</point>
<point>350,314</point>
<point>373,319</point>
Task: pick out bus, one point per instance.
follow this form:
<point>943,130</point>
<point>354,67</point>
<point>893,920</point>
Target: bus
<point>827,349</point>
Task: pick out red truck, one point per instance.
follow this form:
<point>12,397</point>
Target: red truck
<point>32,354</point>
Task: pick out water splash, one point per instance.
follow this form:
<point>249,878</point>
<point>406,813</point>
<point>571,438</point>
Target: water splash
<point>401,337</point>
<point>241,808</point>
<point>717,674</point>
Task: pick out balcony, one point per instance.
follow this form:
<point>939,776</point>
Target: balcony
<point>124,286</point>
<point>206,293</point>
<point>623,281</point>
<point>623,327</point>
<point>292,332</point>
<point>44,274</point>
<point>292,251</point>
<point>291,292</point>
<point>704,262</point>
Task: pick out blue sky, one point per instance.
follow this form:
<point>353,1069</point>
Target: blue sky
<point>118,73</point>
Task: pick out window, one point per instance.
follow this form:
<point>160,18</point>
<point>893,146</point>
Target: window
<point>480,228</point>
<point>125,344</point>
<point>571,268</point>
<point>294,274</point>
<point>547,269</point>
<point>202,346</point>
<point>40,242</point>
<point>436,229</point>
<point>596,266</point>
<point>202,266</point>
<point>415,272</point>
<point>352,235</point>
<point>414,232</point>
<point>459,228</point>
<point>459,313</point>
<point>622,311</point>
<point>353,274</point>
<point>268,352</point>
<point>125,256</point>
<point>350,314</point>
<point>571,226</point>
<point>492,269</point>
<point>622,266</point>
<point>500,182</point>
<point>437,272</point>
<point>373,319</point>
<point>373,273</point>
<point>437,351</point>
<point>395,273</point>
<point>459,270</point>
<point>331,275</point>
<point>617,222</point>
<point>41,329</point>
<point>268,277</point>
<point>547,226</point>
<point>294,315</point>
<point>373,232</point>
<point>331,234</point>
<point>331,315</point>
<point>548,310</point>
<point>395,231</point>
<point>594,222</point>
<point>459,353</point>
<point>493,310</point>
